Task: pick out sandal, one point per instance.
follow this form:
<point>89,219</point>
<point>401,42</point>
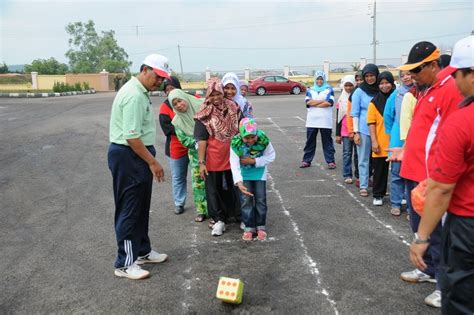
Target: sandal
<point>395,211</point>
<point>247,236</point>
<point>364,192</point>
<point>200,218</point>
<point>305,164</point>
<point>211,223</point>
<point>261,235</point>
<point>331,166</point>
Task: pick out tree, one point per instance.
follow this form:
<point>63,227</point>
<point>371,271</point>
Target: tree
<point>47,66</point>
<point>355,66</point>
<point>91,53</point>
<point>4,68</point>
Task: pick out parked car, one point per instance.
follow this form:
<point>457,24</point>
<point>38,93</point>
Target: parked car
<point>275,84</point>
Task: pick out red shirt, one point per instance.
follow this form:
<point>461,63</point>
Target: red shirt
<point>453,161</point>
<point>177,150</point>
<point>218,155</point>
<point>432,109</point>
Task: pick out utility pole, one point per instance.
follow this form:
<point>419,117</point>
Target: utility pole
<point>374,26</point>
<point>136,27</point>
<point>180,61</point>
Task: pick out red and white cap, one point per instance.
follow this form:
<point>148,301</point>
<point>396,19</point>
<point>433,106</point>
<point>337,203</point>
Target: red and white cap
<point>159,64</point>
<point>462,57</point>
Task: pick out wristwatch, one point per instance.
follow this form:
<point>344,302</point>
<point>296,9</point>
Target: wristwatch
<point>418,240</point>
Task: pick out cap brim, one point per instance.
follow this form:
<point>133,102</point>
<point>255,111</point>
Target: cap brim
<point>410,66</point>
<point>446,71</point>
<point>162,73</point>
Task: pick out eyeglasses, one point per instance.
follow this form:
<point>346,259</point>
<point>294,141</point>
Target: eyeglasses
<point>418,69</point>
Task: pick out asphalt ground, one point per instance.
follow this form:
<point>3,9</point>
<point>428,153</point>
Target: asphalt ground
<point>329,251</point>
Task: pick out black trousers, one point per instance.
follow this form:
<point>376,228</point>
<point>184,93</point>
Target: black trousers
<point>132,183</point>
<point>457,265</point>
<point>222,197</point>
<point>380,176</point>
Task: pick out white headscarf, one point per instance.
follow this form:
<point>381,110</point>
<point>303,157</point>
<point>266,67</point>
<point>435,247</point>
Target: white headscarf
<point>344,98</point>
<point>232,78</point>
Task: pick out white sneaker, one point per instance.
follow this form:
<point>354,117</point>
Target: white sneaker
<point>416,276</point>
<point>152,258</point>
<point>434,299</point>
<point>404,202</point>
<point>218,228</point>
<point>377,202</point>
<point>133,272</point>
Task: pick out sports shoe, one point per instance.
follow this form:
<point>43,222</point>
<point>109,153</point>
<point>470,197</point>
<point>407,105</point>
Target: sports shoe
<point>404,202</point>
<point>242,226</point>
<point>348,180</point>
<point>218,229</point>
<point>152,258</point>
<point>247,236</point>
<point>179,209</point>
<point>133,272</point>
<point>377,202</point>
<point>434,299</point>
<point>261,235</point>
<point>416,276</point>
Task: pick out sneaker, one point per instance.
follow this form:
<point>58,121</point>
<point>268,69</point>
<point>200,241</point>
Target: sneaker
<point>416,276</point>
<point>261,235</point>
<point>434,299</point>
<point>331,166</point>
<point>133,272</point>
<point>377,202</point>
<point>242,226</point>
<point>247,236</point>
<point>179,209</point>
<point>404,202</point>
<point>218,229</point>
<point>348,180</point>
<point>152,258</point>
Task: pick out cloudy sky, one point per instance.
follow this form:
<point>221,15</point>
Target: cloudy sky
<point>232,35</point>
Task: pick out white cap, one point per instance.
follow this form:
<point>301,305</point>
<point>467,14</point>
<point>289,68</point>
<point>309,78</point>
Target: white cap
<point>159,64</point>
<point>462,57</point>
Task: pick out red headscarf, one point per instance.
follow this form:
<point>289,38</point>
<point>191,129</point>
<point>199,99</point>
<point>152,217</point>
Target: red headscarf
<point>222,120</point>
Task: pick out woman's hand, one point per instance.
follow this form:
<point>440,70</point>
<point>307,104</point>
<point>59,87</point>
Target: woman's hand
<point>203,171</point>
<point>338,139</point>
<point>357,138</point>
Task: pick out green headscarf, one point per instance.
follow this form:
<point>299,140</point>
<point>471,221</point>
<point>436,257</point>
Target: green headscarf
<point>248,127</point>
<point>185,121</point>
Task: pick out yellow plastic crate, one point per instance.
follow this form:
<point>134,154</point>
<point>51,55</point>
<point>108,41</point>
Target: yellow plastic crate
<point>230,290</point>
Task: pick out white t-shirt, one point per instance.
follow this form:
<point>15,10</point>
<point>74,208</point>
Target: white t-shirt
<point>320,117</point>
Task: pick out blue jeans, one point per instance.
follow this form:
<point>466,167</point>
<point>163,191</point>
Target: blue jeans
<point>310,147</point>
<point>254,209</point>
<point>432,256</point>
<point>397,186</point>
<point>349,149</point>
<point>364,150</point>
<point>179,172</point>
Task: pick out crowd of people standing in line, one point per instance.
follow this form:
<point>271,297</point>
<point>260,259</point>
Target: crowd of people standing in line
<point>415,132</point>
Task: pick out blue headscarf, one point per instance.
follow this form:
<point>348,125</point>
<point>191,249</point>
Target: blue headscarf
<point>325,85</point>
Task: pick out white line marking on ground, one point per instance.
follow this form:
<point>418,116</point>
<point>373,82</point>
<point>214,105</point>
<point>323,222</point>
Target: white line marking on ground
<point>276,126</point>
<point>188,273</point>
<point>298,117</point>
<point>313,266</point>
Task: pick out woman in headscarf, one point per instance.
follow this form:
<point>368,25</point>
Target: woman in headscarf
<point>391,117</point>
<point>379,139</point>
<point>342,131</point>
<point>360,103</point>
<point>177,154</point>
<point>319,101</point>
<point>231,85</point>
<point>216,123</point>
<point>185,106</point>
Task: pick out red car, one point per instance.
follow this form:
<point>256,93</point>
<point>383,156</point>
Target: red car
<point>275,84</point>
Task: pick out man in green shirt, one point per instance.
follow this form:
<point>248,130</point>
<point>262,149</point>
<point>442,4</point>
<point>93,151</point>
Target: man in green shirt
<point>132,162</point>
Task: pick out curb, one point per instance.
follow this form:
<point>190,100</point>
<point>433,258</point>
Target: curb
<point>30,95</point>
<point>193,92</point>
